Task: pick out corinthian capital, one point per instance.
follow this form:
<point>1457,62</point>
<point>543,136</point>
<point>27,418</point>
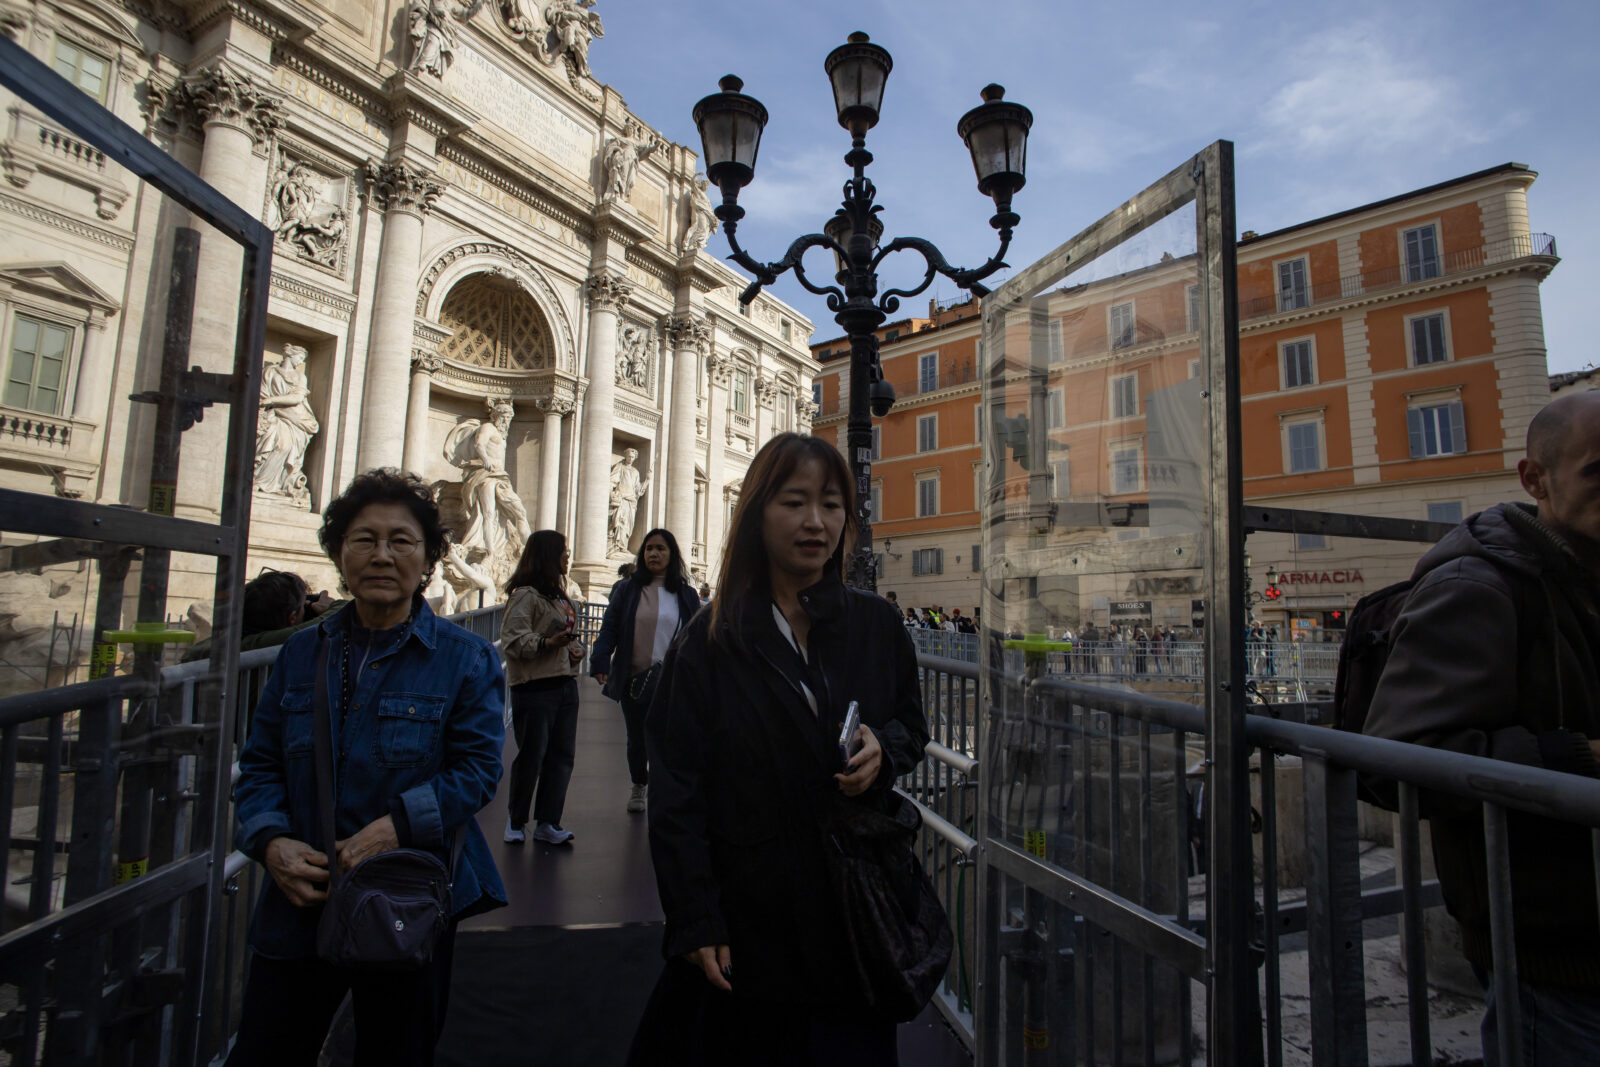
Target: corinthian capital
<point>608,291</point>
<point>555,405</point>
<point>401,186</point>
<point>425,363</point>
<point>224,97</point>
<point>688,332</point>
<point>720,368</point>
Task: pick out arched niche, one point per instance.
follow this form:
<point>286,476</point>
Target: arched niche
<point>466,258</point>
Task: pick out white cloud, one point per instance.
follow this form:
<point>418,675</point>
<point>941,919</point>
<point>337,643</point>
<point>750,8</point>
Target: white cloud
<point>797,188</point>
<point>1356,91</point>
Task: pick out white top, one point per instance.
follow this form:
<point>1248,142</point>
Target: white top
<point>788,632</point>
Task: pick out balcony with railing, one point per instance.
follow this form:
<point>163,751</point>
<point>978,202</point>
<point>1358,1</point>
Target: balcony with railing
<point>1462,261</point>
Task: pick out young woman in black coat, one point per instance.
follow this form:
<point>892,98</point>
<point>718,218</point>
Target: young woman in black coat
<point>744,749</point>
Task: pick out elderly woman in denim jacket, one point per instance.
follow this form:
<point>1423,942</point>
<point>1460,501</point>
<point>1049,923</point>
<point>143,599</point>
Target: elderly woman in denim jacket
<point>416,705</point>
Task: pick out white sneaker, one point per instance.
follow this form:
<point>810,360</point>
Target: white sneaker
<point>514,836</point>
<point>636,799</point>
<point>551,834</point>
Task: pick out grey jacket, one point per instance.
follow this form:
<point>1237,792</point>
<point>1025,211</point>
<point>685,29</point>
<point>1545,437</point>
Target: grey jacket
<point>1497,653</point>
<point>530,618</point>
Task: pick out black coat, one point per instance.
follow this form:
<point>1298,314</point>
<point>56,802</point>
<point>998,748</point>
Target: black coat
<point>741,777</point>
<point>613,646</point>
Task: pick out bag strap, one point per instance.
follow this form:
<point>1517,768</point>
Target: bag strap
<point>322,739</point>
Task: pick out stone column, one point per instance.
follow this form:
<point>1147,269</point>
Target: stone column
<point>719,373</point>
<point>608,295</point>
<point>554,408</point>
<point>688,337</point>
<point>236,116</point>
<point>94,373</point>
<point>416,446</point>
<point>404,192</point>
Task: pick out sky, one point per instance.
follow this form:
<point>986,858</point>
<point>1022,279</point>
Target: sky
<point>1326,113</point>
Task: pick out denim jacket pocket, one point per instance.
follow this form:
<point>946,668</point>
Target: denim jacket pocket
<point>408,728</point>
<point>297,721</point>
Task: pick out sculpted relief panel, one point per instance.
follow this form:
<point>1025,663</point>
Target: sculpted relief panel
<point>308,209</point>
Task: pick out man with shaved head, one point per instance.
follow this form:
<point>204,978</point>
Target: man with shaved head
<point>1497,653</point>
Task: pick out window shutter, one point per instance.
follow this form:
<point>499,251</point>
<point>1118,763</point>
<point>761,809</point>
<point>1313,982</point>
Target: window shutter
<point>1419,446</point>
<point>977,558</point>
<point>1458,428</point>
<point>916,563</point>
<point>938,561</point>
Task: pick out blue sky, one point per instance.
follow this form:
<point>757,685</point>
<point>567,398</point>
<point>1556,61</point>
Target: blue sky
<point>1325,114</point>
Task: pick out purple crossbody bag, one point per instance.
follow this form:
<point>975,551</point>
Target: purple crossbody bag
<point>390,910</point>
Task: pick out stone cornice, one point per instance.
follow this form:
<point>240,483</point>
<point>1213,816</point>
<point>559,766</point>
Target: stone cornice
<point>279,20</point>
<point>338,304</point>
<point>401,187</point>
<point>311,68</point>
<point>63,221</point>
<point>418,99</point>
<point>484,167</point>
<point>635,413</point>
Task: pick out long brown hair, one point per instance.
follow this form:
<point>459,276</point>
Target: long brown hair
<point>744,557</point>
<point>540,565</point>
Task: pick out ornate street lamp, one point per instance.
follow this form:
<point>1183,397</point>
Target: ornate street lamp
<point>995,132</point>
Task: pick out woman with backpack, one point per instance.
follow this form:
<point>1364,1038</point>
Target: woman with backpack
<point>646,611</point>
<point>542,654</point>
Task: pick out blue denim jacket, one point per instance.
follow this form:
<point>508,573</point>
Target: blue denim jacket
<point>430,738</point>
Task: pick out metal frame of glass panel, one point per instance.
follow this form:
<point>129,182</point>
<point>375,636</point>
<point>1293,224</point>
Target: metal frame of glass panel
<point>192,884</point>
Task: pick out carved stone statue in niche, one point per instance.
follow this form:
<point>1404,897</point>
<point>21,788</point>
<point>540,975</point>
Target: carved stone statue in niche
<point>626,489</point>
<point>636,348</point>
<point>309,219</point>
<point>495,524</point>
<point>620,163</point>
<point>702,219</point>
<point>285,428</point>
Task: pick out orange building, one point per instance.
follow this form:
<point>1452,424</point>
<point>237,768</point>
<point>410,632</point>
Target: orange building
<point>1391,357</point>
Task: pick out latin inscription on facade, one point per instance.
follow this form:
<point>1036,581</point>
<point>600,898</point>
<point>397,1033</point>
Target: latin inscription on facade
<point>492,92</point>
<point>509,203</point>
<point>320,100</point>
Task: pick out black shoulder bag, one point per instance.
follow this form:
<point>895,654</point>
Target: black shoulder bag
<point>391,909</point>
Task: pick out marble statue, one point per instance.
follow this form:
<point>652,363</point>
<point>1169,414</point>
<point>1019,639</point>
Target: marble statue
<point>284,428</point>
<point>572,26</point>
<point>296,190</point>
<point>497,524</point>
<point>458,578</point>
<point>620,164</point>
<point>626,489</point>
<point>702,219</point>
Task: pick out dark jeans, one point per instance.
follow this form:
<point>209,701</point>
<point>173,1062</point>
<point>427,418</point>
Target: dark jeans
<point>1560,1025</point>
<point>633,716</point>
<point>289,1005</point>
<point>544,721</point>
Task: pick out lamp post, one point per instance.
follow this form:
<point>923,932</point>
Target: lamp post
<point>996,133</point>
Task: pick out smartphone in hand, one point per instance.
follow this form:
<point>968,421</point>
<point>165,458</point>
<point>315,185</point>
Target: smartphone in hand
<point>849,743</point>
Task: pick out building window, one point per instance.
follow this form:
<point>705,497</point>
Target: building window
<point>927,561</point>
<point>877,443</point>
<point>1450,511</point>
<point>1305,446</point>
<point>927,433</point>
<point>1192,321</point>
<point>1058,350</point>
<point>1124,396</point>
<point>1293,292</point>
<point>1427,340</point>
<point>784,329</point>
<point>877,500</point>
<point>1122,325</point>
<point>816,394</point>
<point>741,391</point>
<point>784,409</point>
<point>1055,410</point>
<point>1436,430</point>
<point>1422,253</point>
<point>927,372</point>
<point>1125,470</point>
<point>977,424</point>
<point>977,487</point>
<point>977,558</point>
<point>39,353</point>
<point>84,69</point>
<point>891,335</point>
<point>927,496</point>
<point>1310,542</point>
<point>1299,367</point>
<point>744,309</point>
<point>1194,368</point>
<point>1060,479</point>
